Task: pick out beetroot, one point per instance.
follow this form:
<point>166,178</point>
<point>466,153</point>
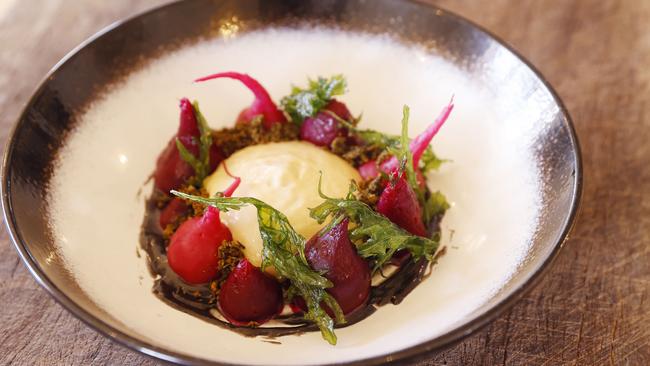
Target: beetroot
<point>323,128</point>
<point>340,109</point>
<point>193,249</point>
<point>262,104</point>
<point>175,209</point>
<point>368,170</point>
<point>171,170</point>
<point>249,295</point>
<point>334,254</point>
<point>417,146</point>
<point>399,203</point>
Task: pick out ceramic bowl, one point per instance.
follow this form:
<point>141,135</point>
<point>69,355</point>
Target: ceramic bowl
<point>55,109</point>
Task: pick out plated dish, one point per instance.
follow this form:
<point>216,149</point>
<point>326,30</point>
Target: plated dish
<point>321,256</point>
<point>84,147</point>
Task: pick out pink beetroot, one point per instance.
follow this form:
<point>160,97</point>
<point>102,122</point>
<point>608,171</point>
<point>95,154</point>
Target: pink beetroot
<point>249,295</point>
<point>262,104</point>
<point>334,254</point>
<point>399,203</point>
<point>323,128</point>
<point>368,170</point>
<point>171,170</point>
<point>175,209</point>
<point>193,249</point>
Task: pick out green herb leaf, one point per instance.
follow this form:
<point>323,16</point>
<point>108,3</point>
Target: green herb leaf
<point>284,249</point>
<point>429,161</point>
<point>436,204</point>
<point>377,236</point>
<point>201,165</point>
<point>303,103</point>
<point>406,157</point>
<point>188,157</point>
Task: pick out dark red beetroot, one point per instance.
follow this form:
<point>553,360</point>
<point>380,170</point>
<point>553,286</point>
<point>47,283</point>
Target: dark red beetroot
<point>399,203</point>
<point>417,146</point>
<point>262,104</point>
<point>175,209</point>
<point>323,128</point>
<point>172,171</point>
<point>193,249</point>
<point>334,254</point>
<point>249,295</point>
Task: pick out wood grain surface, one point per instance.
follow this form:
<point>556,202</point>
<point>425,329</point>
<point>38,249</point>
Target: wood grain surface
<point>593,306</point>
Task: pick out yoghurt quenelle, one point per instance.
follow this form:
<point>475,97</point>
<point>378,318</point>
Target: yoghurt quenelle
<point>285,175</point>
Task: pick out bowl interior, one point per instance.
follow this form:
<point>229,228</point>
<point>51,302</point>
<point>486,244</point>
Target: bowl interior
<point>517,96</point>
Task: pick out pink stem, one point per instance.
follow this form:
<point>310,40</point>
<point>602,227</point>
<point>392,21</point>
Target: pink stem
<point>226,193</point>
<point>263,104</point>
<point>420,143</point>
<point>231,189</point>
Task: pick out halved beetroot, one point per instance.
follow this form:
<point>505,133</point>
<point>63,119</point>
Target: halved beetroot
<point>334,254</point>
<point>171,170</point>
<point>399,203</point>
<point>323,128</point>
<point>249,295</point>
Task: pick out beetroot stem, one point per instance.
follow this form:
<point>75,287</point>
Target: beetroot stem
<point>263,104</point>
<point>228,191</point>
<point>420,143</point>
<point>231,189</point>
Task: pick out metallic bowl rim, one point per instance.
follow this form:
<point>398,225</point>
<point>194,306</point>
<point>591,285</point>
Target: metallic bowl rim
<point>411,353</point>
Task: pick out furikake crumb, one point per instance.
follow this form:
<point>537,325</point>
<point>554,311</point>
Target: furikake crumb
<point>370,190</point>
<point>230,253</point>
<point>196,209</point>
<point>232,139</point>
<point>355,154</point>
<point>169,230</point>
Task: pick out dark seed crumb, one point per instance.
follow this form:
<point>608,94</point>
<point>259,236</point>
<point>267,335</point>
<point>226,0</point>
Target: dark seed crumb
<point>370,190</point>
<point>230,253</point>
<point>197,209</point>
<point>354,153</point>
<point>232,139</point>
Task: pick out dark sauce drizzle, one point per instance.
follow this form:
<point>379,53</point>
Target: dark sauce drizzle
<point>198,300</point>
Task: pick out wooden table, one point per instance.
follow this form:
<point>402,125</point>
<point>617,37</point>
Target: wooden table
<point>592,308</point>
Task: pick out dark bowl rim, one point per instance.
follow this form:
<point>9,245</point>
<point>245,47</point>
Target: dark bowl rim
<point>411,353</point>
